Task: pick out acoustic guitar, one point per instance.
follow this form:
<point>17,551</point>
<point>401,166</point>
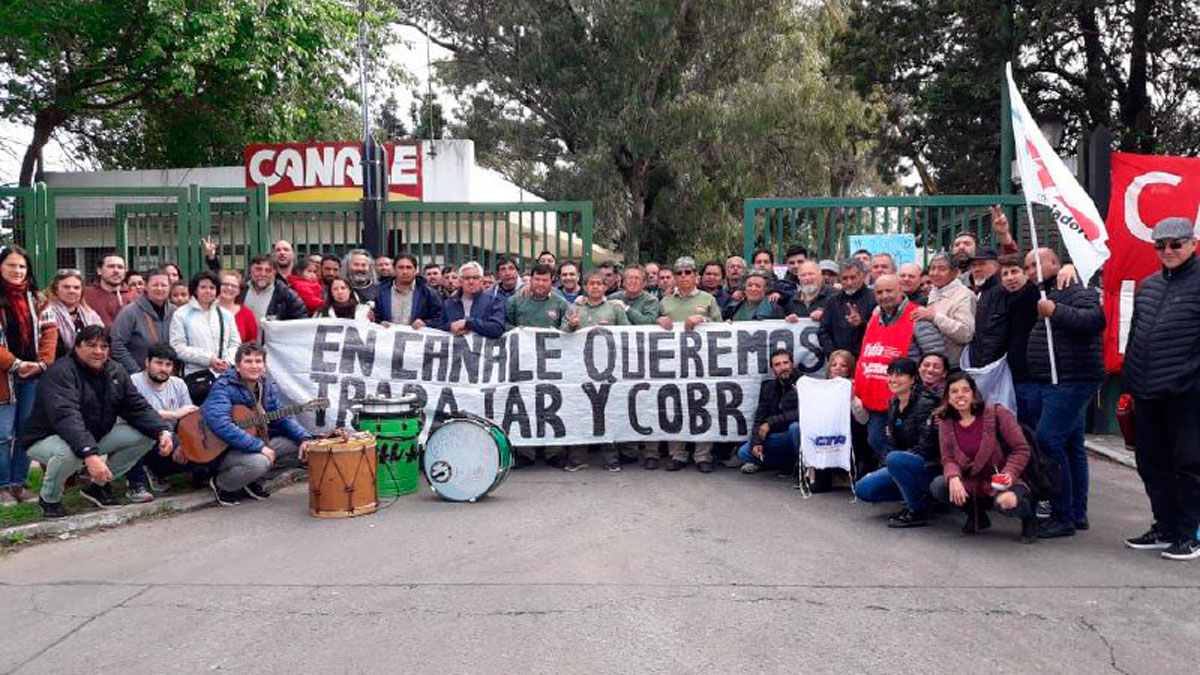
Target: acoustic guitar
<point>200,445</point>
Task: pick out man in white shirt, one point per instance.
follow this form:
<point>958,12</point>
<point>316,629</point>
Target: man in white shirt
<point>169,397</point>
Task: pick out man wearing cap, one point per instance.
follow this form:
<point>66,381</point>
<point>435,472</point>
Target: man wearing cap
<point>990,341</point>
<point>845,319</point>
<point>829,273</point>
<point>1077,322</point>
<point>689,306</point>
<point>1162,372</point>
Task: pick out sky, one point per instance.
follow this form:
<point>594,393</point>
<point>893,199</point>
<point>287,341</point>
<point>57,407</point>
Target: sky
<point>411,52</point>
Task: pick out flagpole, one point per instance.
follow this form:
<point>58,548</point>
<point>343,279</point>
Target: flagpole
<point>1037,260</point>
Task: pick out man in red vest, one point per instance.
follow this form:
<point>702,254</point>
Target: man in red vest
<point>891,333</point>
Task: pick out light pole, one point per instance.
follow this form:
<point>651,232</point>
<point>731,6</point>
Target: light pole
<point>374,190</point>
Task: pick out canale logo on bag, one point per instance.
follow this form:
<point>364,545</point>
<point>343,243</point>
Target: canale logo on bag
<point>330,172</point>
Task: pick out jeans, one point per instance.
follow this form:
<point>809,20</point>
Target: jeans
<point>877,435</point>
<point>940,489</point>
<point>904,478</point>
<point>1028,402</point>
<point>780,450</point>
<point>1061,412</point>
<point>14,460</point>
<point>122,445</point>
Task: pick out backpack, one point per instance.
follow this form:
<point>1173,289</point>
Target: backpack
<point>1041,474</point>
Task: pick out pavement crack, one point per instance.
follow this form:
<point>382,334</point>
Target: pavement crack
<point>76,629</point>
<point>1112,654</point>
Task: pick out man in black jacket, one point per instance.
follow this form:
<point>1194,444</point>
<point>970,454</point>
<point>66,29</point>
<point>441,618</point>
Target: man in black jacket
<point>269,297</point>
<point>845,321</point>
<point>775,438</point>
<point>1162,372</point>
<point>1021,298</point>
<point>74,423</point>
<point>1078,323</point>
<point>990,341</point>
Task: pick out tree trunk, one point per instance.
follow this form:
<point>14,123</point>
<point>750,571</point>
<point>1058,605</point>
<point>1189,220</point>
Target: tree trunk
<point>44,125</point>
<point>1097,87</point>
<point>1135,101</point>
<point>637,182</point>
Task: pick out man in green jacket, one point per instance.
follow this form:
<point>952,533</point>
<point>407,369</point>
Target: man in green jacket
<point>687,306</point>
<point>593,309</point>
<point>640,306</point>
<point>537,306</point>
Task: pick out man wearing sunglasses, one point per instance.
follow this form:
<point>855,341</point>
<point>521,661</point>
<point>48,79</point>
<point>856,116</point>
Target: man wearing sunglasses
<point>1162,372</point>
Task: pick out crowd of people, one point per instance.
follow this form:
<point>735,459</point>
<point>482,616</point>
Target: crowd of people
<point>99,374</point>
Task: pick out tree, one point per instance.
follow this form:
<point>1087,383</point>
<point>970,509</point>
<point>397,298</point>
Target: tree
<point>427,118</point>
<point>644,105</point>
<point>173,81</point>
<point>389,123</point>
<point>936,69</point>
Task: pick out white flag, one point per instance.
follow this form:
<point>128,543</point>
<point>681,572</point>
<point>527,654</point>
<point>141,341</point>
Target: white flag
<point>1046,180</point>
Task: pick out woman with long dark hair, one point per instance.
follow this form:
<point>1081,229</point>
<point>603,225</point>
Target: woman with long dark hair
<point>344,304</point>
<point>984,451</point>
<point>27,342</point>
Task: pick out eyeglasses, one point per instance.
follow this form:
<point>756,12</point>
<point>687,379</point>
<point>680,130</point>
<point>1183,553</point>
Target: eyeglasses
<point>230,285</point>
<point>686,273</point>
<point>1173,244</point>
<point>470,278</point>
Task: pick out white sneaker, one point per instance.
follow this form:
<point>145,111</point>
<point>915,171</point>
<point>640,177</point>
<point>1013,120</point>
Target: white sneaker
<point>138,494</point>
<point>751,467</point>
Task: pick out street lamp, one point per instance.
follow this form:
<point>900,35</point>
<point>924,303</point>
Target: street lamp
<point>1052,127</point>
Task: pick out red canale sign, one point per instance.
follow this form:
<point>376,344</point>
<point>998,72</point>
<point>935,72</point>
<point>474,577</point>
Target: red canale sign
<point>1145,190</point>
<point>329,172</point>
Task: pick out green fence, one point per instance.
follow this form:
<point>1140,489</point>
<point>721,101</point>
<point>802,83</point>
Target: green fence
<point>72,227</point>
<point>824,225</point>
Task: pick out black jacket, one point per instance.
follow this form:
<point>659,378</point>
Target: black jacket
<point>81,406</point>
<point>1078,324</point>
<point>286,304</point>
<point>1164,336</point>
<point>1022,314</point>
<point>796,305</point>
<point>991,324</point>
<point>914,429</point>
<point>835,332</point>
<point>778,405</point>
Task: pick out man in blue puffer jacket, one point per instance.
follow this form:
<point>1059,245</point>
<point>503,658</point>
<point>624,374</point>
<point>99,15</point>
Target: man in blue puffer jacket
<point>407,299</point>
<point>239,469</point>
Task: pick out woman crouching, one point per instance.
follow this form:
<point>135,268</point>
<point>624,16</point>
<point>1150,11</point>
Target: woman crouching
<point>983,452</point>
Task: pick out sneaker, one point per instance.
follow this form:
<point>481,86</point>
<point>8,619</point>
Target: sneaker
<point>614,467</point>
<point>156,484</point>
<point>650,464</point>
<point>733,462</point>
<point>751,467</point>
<point>257,491</point>
<point>7,498</point>
<point>676,464</point>
<point>52,510</point>
<point>223,498</point>
<point>908,518</point>
<point>704,467</point>
<point>1029,530</point>
<point>521,462</point>
<point>1153,540</point>
<point>100,495</point>
<point>559,462</point>
<point>23,494</point>
<point>1185,549</point>
<point>1083,525</point>
<point>574,466</point>
<point>138,494</point>
<point>787,472</point>
<point>1052,529</point>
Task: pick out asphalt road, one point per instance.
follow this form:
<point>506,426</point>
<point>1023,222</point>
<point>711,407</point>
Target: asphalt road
<point>636,572</point>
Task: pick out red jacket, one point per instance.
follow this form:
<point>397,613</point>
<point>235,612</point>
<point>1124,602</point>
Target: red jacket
<point>107,303</point>
<point>976,475</point>
<point>310,291</point>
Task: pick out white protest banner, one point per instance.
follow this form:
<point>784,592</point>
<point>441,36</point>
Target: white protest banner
<point>544,387</point>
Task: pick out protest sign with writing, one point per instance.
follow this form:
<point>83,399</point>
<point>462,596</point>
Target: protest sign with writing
<point>598,385</point>
<point>902,247</point>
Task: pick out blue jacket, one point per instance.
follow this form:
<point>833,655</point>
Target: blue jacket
<point>227,392</point>
<point>487,314</point>
<point>426,304</point>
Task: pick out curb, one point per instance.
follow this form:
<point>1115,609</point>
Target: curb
<point>1119,455</point>
<point>120,515</point>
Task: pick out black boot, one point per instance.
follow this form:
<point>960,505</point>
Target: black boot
<point>1029,530</point>
<point>977,518</point>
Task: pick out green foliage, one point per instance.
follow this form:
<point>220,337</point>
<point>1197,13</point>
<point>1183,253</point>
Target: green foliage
<point>666,113</point>
<point>936,69</point>
<point>175,82</point>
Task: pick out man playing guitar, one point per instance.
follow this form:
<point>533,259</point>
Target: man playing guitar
<point>238,471</point>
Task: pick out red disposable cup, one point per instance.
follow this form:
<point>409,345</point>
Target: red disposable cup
<point>1001,482</point>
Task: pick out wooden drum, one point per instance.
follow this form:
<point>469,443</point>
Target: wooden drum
<point>341,476</point>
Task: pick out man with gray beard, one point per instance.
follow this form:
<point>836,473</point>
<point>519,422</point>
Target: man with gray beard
<point>360,274</point>
<point>812,296</point>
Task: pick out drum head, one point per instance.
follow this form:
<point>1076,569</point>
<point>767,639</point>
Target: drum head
<point>462,461</point>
